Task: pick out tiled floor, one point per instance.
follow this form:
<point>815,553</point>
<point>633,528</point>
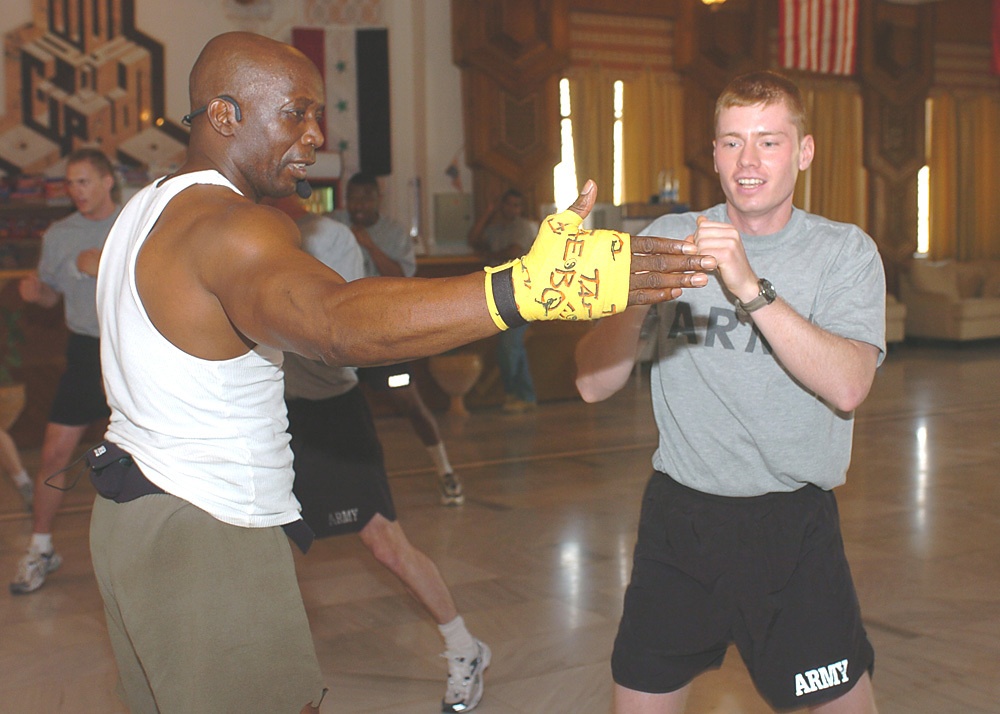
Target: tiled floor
<point>539,556</point>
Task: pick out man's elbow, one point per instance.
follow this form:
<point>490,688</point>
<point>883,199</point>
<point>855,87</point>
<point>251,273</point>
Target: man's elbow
<point>586,393</point>
<point>851,396</point>
<point>594,390</point>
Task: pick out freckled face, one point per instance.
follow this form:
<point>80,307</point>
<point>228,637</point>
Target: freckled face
<point>758,156</point>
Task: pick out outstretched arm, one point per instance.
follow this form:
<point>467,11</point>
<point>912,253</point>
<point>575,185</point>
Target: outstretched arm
<point>276,295</point>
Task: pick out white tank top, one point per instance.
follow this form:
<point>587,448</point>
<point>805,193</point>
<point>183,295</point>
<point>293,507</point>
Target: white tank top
<point>213,433</point>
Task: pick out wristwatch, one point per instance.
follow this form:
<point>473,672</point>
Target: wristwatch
<point>765,297</point>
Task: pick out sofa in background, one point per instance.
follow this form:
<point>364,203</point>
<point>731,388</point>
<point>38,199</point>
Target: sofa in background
<point>952,300</point>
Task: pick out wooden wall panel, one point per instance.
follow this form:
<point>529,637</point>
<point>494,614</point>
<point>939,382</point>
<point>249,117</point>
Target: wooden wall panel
<point>895,72</point>
<point>511,53</point>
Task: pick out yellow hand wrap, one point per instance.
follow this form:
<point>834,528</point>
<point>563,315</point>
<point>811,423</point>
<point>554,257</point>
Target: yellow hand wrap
<point>578,275</point>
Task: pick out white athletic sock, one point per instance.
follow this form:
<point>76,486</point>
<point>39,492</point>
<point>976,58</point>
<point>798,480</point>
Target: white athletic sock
<point>21,478</point>
<point>457,639</point>
<point>440,458</point>
<point>41,543</point>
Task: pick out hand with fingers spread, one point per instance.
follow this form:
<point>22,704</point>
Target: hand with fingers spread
<point>575,274</point>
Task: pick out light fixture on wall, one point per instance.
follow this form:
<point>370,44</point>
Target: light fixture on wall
<point>713,2</point>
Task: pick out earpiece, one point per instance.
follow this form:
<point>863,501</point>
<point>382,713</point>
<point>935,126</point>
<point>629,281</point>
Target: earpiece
<point>236,106</point>
<point>237,114</point>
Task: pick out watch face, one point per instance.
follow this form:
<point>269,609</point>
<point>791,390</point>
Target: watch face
<point>767,290</point>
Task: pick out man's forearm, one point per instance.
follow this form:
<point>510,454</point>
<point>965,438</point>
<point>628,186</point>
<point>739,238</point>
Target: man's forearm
<point>605,355</point>
<point>383,320</point>
<point>837,369</point>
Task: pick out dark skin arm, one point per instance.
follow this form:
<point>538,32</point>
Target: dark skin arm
<point>220,273</point>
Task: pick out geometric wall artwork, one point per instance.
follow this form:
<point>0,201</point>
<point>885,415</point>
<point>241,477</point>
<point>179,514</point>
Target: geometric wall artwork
<point>81,74</point>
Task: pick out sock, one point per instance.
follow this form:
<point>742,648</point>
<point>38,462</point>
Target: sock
<point>457,640</point>
<point>21,478</point>
<point>41,543</point>
<point>440,458</point>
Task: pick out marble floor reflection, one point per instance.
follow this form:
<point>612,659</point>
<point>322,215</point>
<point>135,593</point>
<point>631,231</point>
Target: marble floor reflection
<point>540,554</point>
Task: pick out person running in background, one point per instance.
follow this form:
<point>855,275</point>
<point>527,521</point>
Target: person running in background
<point>71,250</point>
<point>340,476</point>
<point>388,250</point>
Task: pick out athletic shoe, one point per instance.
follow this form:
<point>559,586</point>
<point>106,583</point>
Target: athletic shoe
<point>465,680</point>
<point>451,490</point>
<point>27,491</point>
<point>31,571</point>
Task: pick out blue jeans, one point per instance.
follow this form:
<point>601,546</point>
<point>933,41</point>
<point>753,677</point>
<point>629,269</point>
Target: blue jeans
<point>512,357</point>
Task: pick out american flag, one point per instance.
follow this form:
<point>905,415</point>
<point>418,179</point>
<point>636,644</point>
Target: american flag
<point>819,35</point>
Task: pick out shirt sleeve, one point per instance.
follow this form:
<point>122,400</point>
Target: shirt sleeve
<point>852,298</point>
<point>333,244</point>
<point>397,244</point>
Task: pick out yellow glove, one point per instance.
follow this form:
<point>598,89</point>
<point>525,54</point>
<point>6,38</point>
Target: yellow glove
<point>569,274</point>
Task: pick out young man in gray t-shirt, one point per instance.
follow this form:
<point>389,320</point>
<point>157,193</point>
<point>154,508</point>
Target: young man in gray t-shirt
<point>754,386</point>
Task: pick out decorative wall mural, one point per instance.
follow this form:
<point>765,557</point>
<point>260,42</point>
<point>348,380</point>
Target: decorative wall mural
<point>81,74</point>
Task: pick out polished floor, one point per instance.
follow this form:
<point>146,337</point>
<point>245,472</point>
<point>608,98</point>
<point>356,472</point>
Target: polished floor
<point>540,554</point>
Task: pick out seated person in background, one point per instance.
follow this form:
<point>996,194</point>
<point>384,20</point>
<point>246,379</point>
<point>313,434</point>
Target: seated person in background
<point>503,233</point>
<point>340,477</point>
<point>388,250</point>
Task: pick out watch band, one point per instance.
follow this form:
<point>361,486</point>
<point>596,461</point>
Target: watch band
<point>765,296</point>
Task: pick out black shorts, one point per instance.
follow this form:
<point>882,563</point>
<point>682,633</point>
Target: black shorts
<point>80,396</point>
<point>386,377</point>
<point>340,477</point>
<point>766,573</point>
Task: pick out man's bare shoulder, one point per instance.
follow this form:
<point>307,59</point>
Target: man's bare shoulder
<point>213,222</point>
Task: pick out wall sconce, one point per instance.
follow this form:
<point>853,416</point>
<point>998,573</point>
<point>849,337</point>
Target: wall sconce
<point>713,2</point>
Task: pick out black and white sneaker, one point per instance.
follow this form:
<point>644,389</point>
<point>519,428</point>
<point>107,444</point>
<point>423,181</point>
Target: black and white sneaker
<point>465,680</point>
<point>451,490</point>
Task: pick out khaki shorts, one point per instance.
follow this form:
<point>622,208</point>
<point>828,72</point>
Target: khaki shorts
<point>203,616</point>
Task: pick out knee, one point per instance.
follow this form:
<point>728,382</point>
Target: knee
<point>386,541</point>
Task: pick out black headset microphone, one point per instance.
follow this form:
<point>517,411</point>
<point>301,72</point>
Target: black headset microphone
<point>302,188</point>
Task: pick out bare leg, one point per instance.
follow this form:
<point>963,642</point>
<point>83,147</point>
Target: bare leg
<point>10,459</point>
<point>629,701</point>
<point>57,449</point>
<point>418,573</point>
<point>408,402</point>
<point>860,700</point>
